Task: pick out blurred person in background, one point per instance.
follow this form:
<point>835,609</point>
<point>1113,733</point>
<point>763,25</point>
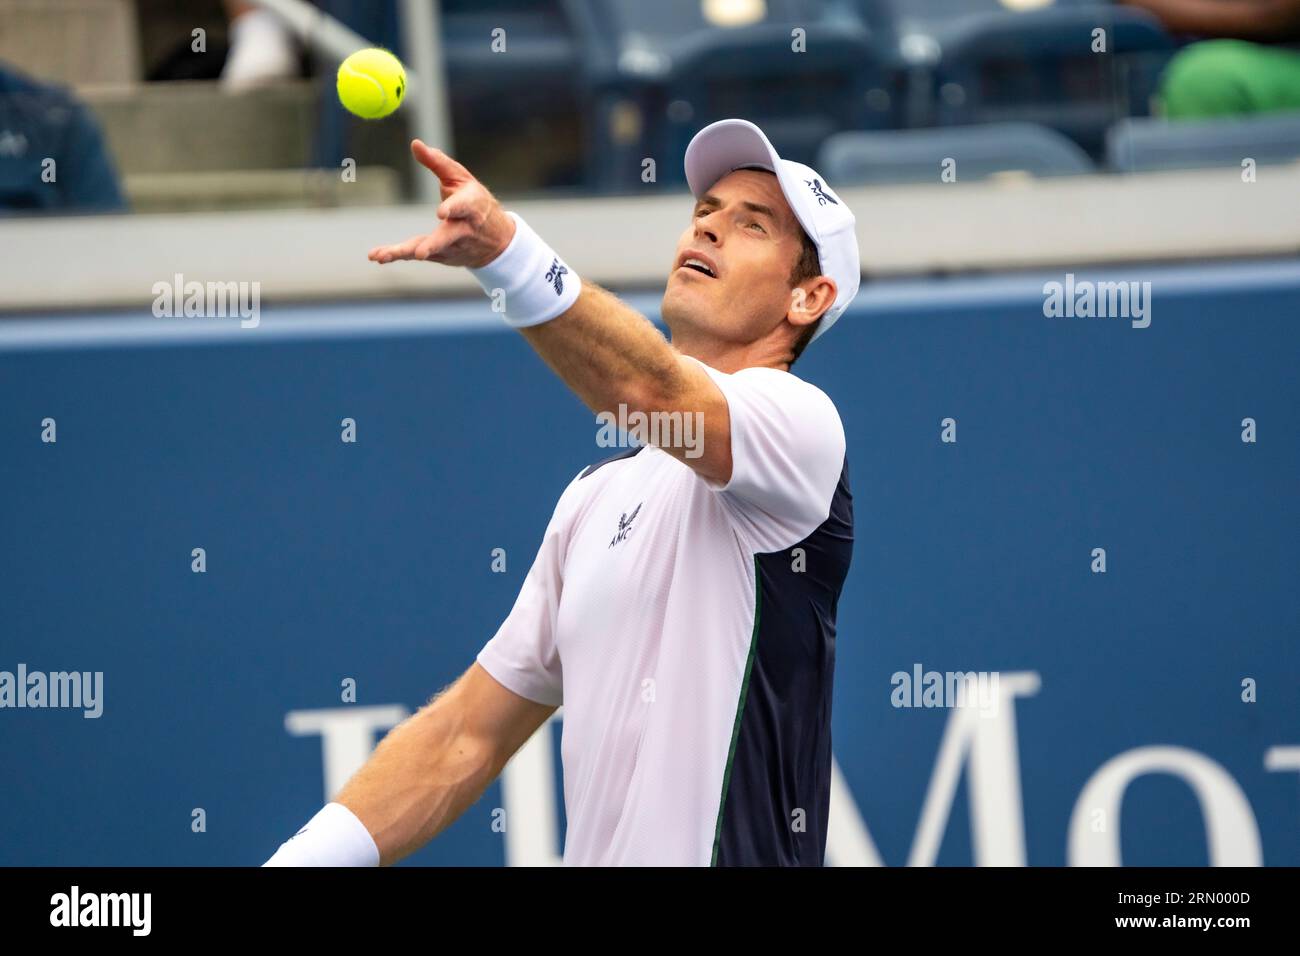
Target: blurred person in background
<point>244,45</point>
<point>1242,71</point>
<point>262,47</point>
<point>52,155</point>
<point>248,45</point>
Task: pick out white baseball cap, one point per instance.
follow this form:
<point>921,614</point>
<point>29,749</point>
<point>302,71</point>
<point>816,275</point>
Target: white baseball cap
<point>733,144</point>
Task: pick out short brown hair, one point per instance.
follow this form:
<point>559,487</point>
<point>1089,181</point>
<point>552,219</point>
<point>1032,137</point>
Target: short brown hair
<point>807,266</point>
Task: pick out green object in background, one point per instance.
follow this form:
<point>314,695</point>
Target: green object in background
<point>1230,78</point>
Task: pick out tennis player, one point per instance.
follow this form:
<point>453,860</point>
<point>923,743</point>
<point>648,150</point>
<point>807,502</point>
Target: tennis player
<point>682,604</point>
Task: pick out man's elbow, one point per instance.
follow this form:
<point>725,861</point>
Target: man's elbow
<point>666,388</point>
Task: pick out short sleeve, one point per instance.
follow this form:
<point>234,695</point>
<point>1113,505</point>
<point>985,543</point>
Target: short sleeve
<point>787,454</point>
<point>522,655</point>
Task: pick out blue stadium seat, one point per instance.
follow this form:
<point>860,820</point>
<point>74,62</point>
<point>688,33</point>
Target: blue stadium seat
<point>1144,145</point>
<point>658,72</point>
<point>505,103</point>
<point>975,61</point>
<point>914,156</point>
<point>1040,67</point>
<point>538,36</point>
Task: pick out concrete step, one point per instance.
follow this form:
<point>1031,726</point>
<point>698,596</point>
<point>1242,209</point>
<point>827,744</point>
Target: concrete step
<point>73,42</point>
<point>166,127</point>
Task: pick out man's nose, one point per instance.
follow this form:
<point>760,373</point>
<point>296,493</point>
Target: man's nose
<point>706,226</point>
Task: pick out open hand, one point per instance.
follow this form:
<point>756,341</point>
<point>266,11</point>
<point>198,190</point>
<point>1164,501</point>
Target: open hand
<point>474,228</point>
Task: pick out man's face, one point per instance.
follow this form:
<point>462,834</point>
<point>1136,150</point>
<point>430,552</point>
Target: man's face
<point>747,236</point>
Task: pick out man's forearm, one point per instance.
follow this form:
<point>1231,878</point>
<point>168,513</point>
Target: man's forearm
<point>423,775</point>
<point>610,354</point>
<point>606,352</point>
<point>613,358</point>
<point>1234,19</point>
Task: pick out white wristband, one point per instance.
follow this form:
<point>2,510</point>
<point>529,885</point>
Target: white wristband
<point>333,837</point>
<point>536,283</point>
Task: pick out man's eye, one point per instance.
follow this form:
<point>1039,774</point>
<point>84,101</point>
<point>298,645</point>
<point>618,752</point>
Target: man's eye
<point>760,226</point>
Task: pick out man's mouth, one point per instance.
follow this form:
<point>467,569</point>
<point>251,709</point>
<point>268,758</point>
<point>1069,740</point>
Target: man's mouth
<point>696,264</point>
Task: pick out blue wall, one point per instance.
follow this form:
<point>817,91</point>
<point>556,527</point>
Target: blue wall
<point>373,560</point>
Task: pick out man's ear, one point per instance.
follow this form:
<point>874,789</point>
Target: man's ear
<point>810,299</point>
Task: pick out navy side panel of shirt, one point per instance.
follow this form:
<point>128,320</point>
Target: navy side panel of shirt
<point>612,458</point>
<point>782,759</point>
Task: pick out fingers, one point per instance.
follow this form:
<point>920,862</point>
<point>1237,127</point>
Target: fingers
<point>425,247</point>
<point>430,246</point>
<point>400,250</point>
<point>462,204</point>
<point>450,172</point>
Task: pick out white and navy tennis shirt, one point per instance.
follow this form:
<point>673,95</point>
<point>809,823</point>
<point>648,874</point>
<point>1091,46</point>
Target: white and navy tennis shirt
<point>688,629</point>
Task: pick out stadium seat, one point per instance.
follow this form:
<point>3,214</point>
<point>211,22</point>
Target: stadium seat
<point>537,37</point>
<point>975,61</point>
<point>913,156</point>
<point>1144,145</point>
<point>530,139</point>
<point>1041,67</point>
<point>657,73</point>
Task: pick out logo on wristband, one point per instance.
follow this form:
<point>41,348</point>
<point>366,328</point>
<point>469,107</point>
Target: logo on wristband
<point>555,276</point>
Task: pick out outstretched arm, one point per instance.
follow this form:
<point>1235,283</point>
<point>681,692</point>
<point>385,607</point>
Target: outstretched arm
<point>426,772</point>
<point>1235,19</point>
<point>604,350</point>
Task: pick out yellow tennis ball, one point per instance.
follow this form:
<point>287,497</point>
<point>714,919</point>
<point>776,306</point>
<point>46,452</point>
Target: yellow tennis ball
<point>371,83</point>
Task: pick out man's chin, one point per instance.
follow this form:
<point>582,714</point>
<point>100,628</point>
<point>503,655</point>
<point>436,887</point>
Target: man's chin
<point>684,290</point>
<point>679,307</point>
